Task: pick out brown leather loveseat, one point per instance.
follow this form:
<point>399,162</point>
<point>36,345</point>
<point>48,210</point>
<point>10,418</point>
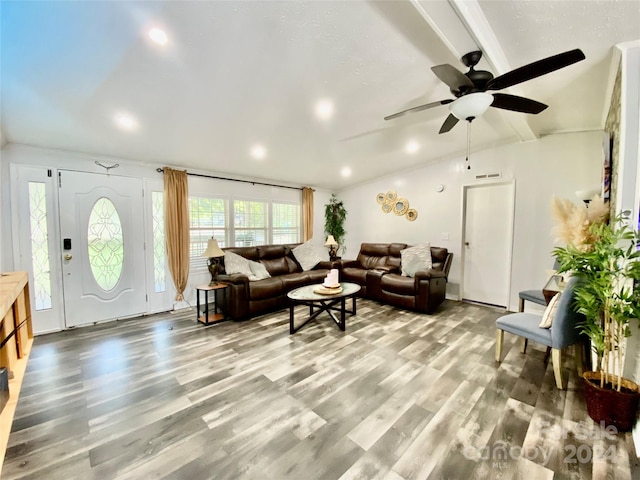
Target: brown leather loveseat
<point>246,299</point>
<point>378,272</point>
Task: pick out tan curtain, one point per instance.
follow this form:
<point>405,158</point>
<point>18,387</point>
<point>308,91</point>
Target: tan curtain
<point>307,213</point>
<point>176,218</point>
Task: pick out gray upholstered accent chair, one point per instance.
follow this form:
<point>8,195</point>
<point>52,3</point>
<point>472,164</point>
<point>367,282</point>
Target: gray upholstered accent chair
<point>563,332</point>
<point>534,296</point>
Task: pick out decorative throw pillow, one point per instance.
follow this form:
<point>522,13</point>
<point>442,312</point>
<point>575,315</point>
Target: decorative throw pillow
<point>550,312</point>
<point>309,255</point>
<point>415,258</point>
<point>258,271</point>
<point>234,263</point>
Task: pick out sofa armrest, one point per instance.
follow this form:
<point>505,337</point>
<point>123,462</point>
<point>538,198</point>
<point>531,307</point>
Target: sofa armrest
<point>428,274</point>
<point>329,264</point>
<point>234,279</point>
<point>349,263</point>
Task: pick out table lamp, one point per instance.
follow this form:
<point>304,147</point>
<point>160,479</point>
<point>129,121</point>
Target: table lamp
<point>333,247</point>
<point>214,254</point>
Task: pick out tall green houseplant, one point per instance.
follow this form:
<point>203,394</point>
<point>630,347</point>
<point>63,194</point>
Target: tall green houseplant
<point>334,217</point>
<point>608,266</point>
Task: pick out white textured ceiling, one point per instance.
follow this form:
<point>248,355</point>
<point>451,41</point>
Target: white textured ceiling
<point>238,73</point>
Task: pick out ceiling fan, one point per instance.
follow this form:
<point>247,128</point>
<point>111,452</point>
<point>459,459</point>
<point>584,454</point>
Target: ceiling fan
<point>470,89</point>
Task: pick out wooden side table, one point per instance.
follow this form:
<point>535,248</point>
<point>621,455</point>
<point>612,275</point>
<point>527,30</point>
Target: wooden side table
<point>205,317</point>
<point>554,285</point>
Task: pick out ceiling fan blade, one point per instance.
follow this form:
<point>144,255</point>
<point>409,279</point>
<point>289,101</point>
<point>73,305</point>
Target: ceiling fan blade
<point>449,123</point>
<point>454,78</point>
<point>536,69</point>
<point>517,104</point>
<point>418,108</point>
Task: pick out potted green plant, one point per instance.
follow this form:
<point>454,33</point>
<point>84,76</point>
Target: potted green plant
<point>334,217</point>
<point>607,261</point>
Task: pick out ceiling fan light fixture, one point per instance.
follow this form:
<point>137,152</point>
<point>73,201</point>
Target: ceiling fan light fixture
<point>471,105</point>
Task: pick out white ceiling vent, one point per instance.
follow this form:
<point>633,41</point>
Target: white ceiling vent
<point>486,176</point>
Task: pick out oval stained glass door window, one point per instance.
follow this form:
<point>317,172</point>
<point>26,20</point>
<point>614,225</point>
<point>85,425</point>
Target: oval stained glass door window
<point>106,244</point>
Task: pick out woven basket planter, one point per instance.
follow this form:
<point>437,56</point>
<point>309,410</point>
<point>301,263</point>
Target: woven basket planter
<point>610,406</point>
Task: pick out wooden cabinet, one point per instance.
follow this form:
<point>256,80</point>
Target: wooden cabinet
<point>15,312</point>
<point>16,332</point>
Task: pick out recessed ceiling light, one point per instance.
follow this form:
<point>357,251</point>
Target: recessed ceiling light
<point>345,172</point>
<point>258,152</point>
<point>158,36</point>
<point>126,121</point>
<point>412,147</point>
<point>324,109</point>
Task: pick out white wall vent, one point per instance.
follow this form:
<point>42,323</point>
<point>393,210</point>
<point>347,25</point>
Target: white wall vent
<point>484,176</point>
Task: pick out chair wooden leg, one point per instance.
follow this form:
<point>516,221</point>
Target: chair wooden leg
<point>521,305</point>
<point>579,356</point>
<point>499,341</point>
<point>523,344</point>
<point>556,358</point>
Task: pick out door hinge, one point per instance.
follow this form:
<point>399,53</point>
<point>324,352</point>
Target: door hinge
<point>49,173</point>
<point>59,179</point>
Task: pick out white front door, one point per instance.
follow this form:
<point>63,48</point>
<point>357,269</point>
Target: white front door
<point>488,233</point>
<point>102,238</point>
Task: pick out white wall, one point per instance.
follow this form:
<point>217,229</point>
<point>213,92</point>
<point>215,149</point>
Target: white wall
<point>553,165</point>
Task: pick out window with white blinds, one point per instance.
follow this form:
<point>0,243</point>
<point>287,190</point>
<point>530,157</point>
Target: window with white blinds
<point>241,223</point>
<point>250,223</point>
<point>285,223</point>
<point>207,218</point>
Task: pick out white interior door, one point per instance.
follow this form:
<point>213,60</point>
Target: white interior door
<point>102,237</point>
<point>488,234</point>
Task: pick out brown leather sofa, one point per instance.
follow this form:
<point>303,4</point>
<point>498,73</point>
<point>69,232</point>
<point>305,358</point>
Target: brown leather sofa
<point>377,271</point>
<point>246,299</point>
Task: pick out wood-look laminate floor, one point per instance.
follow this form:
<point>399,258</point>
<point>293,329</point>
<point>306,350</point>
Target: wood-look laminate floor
<point>397,396</point>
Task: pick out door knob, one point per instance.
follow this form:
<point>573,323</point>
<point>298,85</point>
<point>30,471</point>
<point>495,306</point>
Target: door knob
<point>466,243</point>
<point>68,257</point>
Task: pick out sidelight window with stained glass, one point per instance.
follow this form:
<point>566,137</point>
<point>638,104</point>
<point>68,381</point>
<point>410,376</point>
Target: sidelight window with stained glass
<point>39,245</point>
<point>159,251</point>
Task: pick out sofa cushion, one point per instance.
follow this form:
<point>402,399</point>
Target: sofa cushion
<point>234,263</point>
<point>295,280</point>
<point>416,258</point>
<point>309,255</point>
<point>258,271</point>
<point>373,254</point>
<point>267,288</point>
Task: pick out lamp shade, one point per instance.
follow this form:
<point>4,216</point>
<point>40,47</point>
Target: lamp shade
<point>330,241</point>
<point>213,250</point>
<point>471,105</point>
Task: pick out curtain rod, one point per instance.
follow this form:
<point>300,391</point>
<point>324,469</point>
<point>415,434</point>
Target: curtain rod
<point>161,170</point>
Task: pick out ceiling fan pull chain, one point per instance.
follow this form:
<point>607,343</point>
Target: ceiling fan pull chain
<point>468,144</point>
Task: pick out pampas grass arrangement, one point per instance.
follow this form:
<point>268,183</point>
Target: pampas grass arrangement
<point>573,221</point>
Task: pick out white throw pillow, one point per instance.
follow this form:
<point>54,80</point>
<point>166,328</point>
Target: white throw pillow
<point>258,271</point>
<point>309,255</point>
<point>415,258</point>
<point>550,312</point>
<point>234,263</point>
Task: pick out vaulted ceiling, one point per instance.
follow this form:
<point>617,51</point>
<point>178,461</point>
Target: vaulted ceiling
<point>234,75</point>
